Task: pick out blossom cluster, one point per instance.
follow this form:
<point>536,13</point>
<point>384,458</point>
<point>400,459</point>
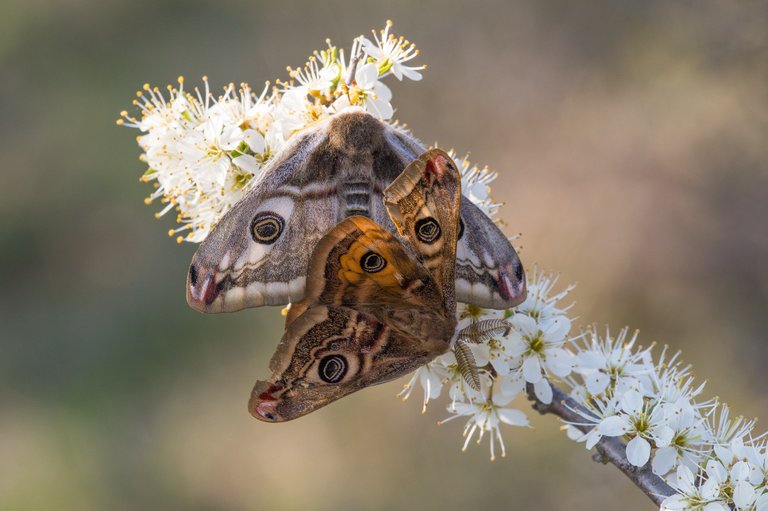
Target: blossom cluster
<point>713,461</point>
<point>203,150</point>
<point>531,352</point>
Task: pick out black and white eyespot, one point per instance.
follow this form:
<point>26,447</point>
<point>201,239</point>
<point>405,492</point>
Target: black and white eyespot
<point>266,227</point>
<point>461,228</point>
<point>332,368</point>
<point>372,262</point>
<point>427,230</point>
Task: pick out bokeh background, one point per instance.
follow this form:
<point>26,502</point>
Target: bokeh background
<point>632,143</point>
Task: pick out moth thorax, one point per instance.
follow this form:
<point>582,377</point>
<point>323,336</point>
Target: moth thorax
<point>355,133</point>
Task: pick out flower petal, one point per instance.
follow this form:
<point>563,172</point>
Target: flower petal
<point>743,494</point>
<point>597,382</point>
<point>560,362</point>
<point>524,325</point>
<point>716,471</point>
<point>574,433</point>
<point>664,460</point>
<point>740,471</point>
<point>591,360</point>
<point>674,503</point>
<point>543,391</point>
<point>247,162</point>
<point>511,384</point>
<point>255,140</point>
<point>367,75</point>
<point>532,369</point>
<point>684,480</point>
<point>632,402</point>
<point>761,504</point>
<point>592,438</point>
<point>482,353</point>
<point>613,426</point>
<point>663,435</point>
<point>555,328</point>
<point>513,417</point>
<point>638,451</point>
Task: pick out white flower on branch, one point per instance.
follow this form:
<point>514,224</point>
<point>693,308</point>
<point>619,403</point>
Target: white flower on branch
<point>430,377</point>
<point>389,53</point>
<point>203,150</point>
<point>318,76</point>
<point>502,365</point>
<point>535,347</point>
<point>485,416</point>
<point>695,496</point>
<point>369,92</point>
<point>604,361</point>
<point>690,440</point>
<point>725,430</point>
<point>197,146</point>
<point>542,302</point>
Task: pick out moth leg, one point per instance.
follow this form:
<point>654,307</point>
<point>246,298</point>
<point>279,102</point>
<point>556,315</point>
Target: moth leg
<point>466,363</point>
<point>483,330</point>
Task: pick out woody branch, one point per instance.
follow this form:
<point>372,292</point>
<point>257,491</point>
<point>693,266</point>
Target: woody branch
<point>609,449</point>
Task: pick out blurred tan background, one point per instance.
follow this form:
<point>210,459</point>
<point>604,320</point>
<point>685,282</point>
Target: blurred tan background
<point>632,142</point>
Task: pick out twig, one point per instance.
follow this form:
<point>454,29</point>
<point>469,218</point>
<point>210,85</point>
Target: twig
<point>354,60</point>
<point>609,449</point>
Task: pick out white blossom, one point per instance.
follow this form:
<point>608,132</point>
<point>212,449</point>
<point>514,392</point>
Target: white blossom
<point>389,53</point>
<point>690,440</point>
<point>203,150</point>
<point>368,91</point>
<point>610,361</point>
<point>431,378</point>
<point>536,349</point>
<point>542,302</point>
<point>486,416</point>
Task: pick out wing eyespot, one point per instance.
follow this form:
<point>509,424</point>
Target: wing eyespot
<point>267,227</point>
<point>332,368</point>
<point>427,230</point>
<point>461,228</point>
<point>372,262</point>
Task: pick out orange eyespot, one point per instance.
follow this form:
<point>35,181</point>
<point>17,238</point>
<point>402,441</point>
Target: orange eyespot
<point>372,262</point>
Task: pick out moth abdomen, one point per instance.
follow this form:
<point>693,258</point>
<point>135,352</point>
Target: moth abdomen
<point>355,198</point>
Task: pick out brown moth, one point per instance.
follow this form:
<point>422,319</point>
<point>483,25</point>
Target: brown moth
<point>259,251</point>
<point>375,308</point>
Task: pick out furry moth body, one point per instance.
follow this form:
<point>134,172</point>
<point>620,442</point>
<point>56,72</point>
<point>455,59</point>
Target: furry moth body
<point>376,307</point>
<point>259,251</point>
